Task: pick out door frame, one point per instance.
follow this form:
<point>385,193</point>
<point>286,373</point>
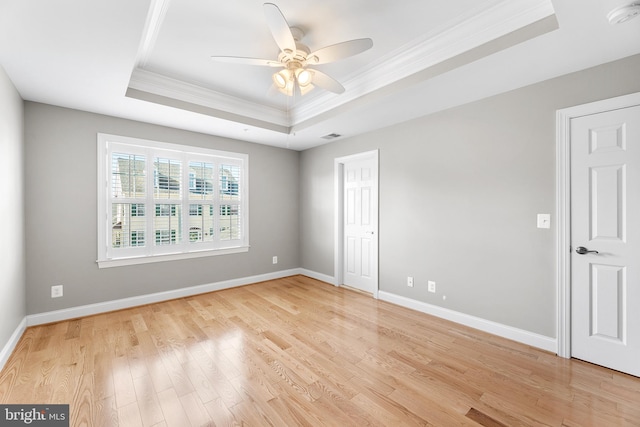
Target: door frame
<point>338,251</point>
<point>563,207</point>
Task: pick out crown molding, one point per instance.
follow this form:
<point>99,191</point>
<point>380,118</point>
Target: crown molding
<point>155,18</point>
<point>490,20</point>
<point>158,84</point>
<point>493,19</point>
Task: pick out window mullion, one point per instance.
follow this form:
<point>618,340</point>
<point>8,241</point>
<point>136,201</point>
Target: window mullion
<point>151,209</point>
<point>184,194</point>
<point>105,196</point>
<point>216,204</point>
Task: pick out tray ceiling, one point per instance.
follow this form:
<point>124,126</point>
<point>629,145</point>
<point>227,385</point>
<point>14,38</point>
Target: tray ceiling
<point>150,60</point>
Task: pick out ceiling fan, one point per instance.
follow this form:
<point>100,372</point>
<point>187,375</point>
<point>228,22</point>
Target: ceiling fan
<point>295,58</point>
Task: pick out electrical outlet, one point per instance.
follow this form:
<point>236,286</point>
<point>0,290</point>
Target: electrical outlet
<point>431,286</point>
<point>56,291</point>
<point>275,259</point>
<point>410,281</point>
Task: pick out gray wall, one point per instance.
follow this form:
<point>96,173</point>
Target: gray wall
<point>459,194</point>
<point>12,250</point>
<point>60,202</point>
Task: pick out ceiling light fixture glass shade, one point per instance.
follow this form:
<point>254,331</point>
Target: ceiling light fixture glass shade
<point>286,80</point>
<point>304,77</point>
<point>283,81</point>
<point>281,78</point>
<point>306,89</point>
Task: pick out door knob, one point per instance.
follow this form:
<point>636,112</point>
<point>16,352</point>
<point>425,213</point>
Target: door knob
<point>582,250</point>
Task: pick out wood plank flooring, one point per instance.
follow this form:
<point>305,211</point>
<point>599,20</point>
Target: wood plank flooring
<point>299,352</point>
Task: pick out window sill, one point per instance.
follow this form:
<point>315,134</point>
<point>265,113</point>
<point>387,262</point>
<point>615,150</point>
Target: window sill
<point>120,262</point>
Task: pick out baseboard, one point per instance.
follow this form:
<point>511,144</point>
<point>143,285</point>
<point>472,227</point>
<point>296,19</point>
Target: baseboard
<point>104,307</point>
<point>12,343</point>
<point>509,332</point>
<point>519,335</point>
<point>318,276</point>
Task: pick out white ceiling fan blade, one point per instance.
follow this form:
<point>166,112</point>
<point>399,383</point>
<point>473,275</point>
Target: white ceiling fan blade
<point>279,28</point>
<point>339,51</point>
<point>246,61</point>
<point>327,82</point>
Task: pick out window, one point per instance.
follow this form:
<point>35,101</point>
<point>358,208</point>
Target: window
<point>165,210</point>
<point>195,210</point>
<point>137,209</point>
<point>165,237</point>
<point>137,238</point>
<point>197,201</point>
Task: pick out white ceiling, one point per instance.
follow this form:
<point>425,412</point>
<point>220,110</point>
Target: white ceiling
<point>149,60</point>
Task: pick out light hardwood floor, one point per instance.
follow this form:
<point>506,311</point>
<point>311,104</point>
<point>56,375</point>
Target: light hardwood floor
<point>296,351</point>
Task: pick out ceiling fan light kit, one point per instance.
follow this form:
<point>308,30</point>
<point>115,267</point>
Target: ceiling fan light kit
<point>295,57</point>
<point>285,80</point>
<point>294,75</point>
<point>304,76</point>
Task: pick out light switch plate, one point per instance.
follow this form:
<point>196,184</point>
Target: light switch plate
<point>56,291</point>
<point>544,220</point>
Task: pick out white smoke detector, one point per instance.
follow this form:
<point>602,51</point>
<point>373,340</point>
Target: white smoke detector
<point>624,13</point>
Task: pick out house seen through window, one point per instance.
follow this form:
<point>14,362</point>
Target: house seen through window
<point>196,199</point>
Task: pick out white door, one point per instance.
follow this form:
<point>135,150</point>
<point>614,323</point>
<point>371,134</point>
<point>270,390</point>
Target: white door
<point>361,223</point>
<point>605,239</point>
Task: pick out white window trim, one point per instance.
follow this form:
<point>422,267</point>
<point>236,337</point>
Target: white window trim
<point>187,250</point>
